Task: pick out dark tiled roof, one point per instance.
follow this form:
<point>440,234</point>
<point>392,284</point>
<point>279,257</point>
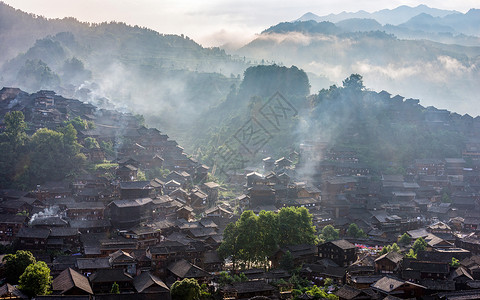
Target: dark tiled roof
<point>110,275</point>
<point>348,292</point>
<point>12,219</point>
<point>343,244</point>
<point>135,185</point>
<point>70,279</point>
<point>394,257</point>
<point>84,224</point>
<point>93,263</point>
<point>63,232</point>
<point>184,269</point>
<point>28,232</point>
<point>147,280</point>
<point>8,289</point>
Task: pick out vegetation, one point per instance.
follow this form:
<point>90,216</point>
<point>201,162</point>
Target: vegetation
<point>411,254</point>
<point>115,288</point>
<point>46,155</point>
<point>15,264</point>
<point>253,239</point>
<point>36,279</point>
<point>419,245</point>
<point>329,233</point>
<point>455,263</point>
<point>405,239</point>
<point>390,248</point>
<point>356,232</point>
<point>188,289</point>
<point>225,278</point>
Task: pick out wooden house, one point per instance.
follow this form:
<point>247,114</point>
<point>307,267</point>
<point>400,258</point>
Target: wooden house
<point>342,252</point>
<point>70,282</point>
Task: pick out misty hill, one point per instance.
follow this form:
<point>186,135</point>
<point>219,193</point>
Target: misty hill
<point>387,132</point>
<point>394,16</point>
<point>468,23</point>
<point>444,75</point>
<point>170,78</point>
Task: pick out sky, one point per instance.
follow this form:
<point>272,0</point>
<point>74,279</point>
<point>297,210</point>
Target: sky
<point>212,22</point>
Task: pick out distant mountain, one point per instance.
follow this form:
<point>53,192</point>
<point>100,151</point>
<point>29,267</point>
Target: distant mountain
<point>169,78</point>
<point>468,23</point>
<point>353,25</point>
<point>394,16</point>
<point>441,74</point>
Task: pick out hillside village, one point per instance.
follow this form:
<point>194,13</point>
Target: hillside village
<point>111,225</point>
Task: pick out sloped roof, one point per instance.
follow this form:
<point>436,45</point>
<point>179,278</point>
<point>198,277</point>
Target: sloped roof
<point>394,257</point>
<point>459,272</point>
<point>120,254</point>
<point>348,292</point>
<point>28,232</point>
<point>184,269</point>
<point>69,279</point>
<point>388,284</point>
<point>131,203</point>
<point>211,185</point>
<point>93,263</point>
<point>146,280</point>
<point>110,275</point>
<point>343,244</point>
<point>8,289</point>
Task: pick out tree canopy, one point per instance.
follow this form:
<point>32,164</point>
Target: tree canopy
<point>329,233</point>
<point>36,279</point>
<point>186,289</point>
<point>355,231</point>
<point>253,239</point>
<point>15,264</point>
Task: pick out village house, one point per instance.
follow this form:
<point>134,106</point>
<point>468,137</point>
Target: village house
<point>136,189</point>
<point>392,286</point>
<point>32,238</point>
<point>128,213</point>
<point>211,188</point>
<point>70,282</point>
<point>388,263</point>
<point>300,254</point>
<point>10,225</point>
<point>342,252</point>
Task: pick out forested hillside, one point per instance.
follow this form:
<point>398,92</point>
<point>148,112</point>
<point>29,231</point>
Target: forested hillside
<point>169,78</point>
<point>388,132</point>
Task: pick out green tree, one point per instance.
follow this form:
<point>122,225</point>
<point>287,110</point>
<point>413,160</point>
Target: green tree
<point>354,82</point>
<point>115,288</point>
<point>286,262</point>
<point>12,148</point>
<point>54,155</point>
<point>405,239</point>
<point>15,264</point>
<point>295,227</point>
<point>356,232</point>
<point>446,198</point>
<point>419,245</point>
<point>411,254</point>
<point>230,246</point>
<point>390,248</point>
<point>187,289</point>
<point>36,279</point>
<point>268,234</point>
<point>455,263</point>
<point>395,247</point>
<point>15,128</point>
<point>329,233</point>
<point>36,75</point>
<point>91,143</point>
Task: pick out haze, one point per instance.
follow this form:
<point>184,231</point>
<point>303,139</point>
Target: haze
<point>213,22</point>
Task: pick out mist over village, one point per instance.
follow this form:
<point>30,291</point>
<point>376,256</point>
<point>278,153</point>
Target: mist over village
<point>243,151</point>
